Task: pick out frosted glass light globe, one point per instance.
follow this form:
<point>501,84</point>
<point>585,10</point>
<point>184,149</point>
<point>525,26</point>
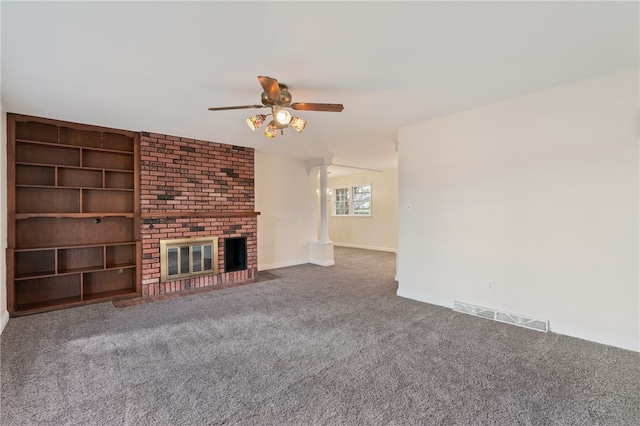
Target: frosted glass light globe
<point>283,116</point>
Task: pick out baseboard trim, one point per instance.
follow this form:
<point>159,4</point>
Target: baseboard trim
<point>282,264</point>
<point>421,297</point>
<point>554,327</point>
<point>4,319</point>
<point>326,263</point>
<point>594,336</point>
<point>365,247</point>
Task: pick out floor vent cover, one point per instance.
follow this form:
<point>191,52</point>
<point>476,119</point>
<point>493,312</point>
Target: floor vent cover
<point>509,318</point>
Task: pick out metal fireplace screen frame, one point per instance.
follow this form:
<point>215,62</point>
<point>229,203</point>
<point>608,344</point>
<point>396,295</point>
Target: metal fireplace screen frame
<point>188,257</point>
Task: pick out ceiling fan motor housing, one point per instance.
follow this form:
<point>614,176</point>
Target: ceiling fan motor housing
<point>285,97</point>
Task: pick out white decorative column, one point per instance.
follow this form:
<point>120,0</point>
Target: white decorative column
<point>321,251</point>
<point>324,206</point>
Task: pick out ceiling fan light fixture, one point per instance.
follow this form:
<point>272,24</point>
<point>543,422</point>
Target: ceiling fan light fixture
<point>283,117</point>
<point>298,124</point>
<point>277,97</point>
<point>271,130</point>
<point>256,121</point>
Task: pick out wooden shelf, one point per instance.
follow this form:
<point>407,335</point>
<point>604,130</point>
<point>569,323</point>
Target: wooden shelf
<point>47,305</point>
<point>84,188</point>
<point>41,274</point>
<point>111,295</point>
<point>22,163</point>
<point>73,215</point>
<point>71,271</point>
<point>114,244</point>
<point>120,266</point>
<point>73,193</point>
<point>70,302</point>
<point>78,147</point>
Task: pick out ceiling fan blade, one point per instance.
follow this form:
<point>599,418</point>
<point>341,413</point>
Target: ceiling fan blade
<point>236,107</point>
<point>306,106</point>
<point>271,87</point>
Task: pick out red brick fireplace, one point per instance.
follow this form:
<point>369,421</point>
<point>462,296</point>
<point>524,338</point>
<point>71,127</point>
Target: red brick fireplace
<point>191,188</point>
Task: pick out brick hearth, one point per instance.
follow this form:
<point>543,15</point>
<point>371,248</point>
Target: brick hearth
<point>191,188</point>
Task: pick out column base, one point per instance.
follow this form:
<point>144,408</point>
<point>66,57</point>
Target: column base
<point>321,253</point>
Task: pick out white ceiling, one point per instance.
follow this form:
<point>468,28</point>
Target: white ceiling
<point>158,66</point>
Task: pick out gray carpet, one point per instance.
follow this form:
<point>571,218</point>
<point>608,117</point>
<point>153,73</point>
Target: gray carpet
<point>308,345</point>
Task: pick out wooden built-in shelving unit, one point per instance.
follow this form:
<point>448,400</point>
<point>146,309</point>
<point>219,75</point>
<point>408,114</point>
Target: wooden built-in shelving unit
<point>73,210</point>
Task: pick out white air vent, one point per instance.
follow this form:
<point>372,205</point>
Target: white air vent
<point>506,317</point>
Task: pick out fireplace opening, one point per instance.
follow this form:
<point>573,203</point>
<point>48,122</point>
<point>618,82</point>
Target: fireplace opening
<point>235,254</point>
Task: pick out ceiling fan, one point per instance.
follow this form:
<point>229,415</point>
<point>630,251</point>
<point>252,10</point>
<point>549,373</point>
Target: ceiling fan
<point>277,97</point>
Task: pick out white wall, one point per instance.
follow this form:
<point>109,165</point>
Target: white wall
<point>378,231</point>
<point>539,193</point>
<point>286,200</point>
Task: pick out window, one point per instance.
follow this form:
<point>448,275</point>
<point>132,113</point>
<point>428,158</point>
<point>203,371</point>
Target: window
<point>189,257</point>
<point>352,201</point>
<point>342,201</point>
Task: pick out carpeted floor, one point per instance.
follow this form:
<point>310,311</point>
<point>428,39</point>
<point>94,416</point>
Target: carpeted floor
<point>308,345</point>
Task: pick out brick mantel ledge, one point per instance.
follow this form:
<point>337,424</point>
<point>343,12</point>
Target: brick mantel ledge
<point>165,214</point>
